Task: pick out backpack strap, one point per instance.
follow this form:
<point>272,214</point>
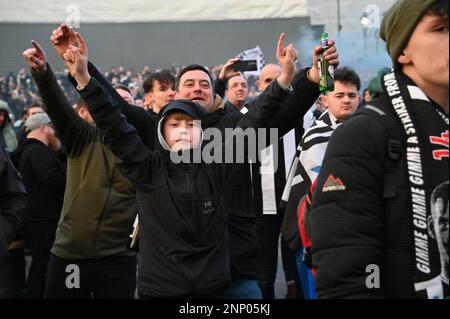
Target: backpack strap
<point>395,147</point>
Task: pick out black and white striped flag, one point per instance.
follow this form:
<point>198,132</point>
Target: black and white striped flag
<point>253,54</point>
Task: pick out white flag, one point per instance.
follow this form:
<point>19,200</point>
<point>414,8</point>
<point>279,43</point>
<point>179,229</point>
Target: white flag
<point>253,54</point>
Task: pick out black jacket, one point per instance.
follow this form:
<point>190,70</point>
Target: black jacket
<point>183,213</point>
<point>44,177</point>
<point>243,239</point>
<point>361,226</point>
<point>346,227</point>
<point>12,201</point>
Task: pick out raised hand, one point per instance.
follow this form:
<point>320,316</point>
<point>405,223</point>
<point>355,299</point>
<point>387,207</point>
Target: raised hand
<point>227,70</point>
<point>286,56</point>
<point>331,55</point>
<point>76,58</point>
<point>35,57</point>
<point>61,38</point>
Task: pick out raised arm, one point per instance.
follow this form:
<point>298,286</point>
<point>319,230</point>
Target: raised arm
<point>142,120</point>
<point>267,110</point>
<point>64,36</point>
<point>73,131</point>
<point>226,72</point>
<point>304,84</point>
<point>139,165</point>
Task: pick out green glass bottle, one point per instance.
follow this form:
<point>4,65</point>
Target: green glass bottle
<point>326,71</point>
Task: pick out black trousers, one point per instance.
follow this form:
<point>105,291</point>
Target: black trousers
<point>104,278</point>
<point>12,276</point>
<point>268,227</point>
<point>39,240</point>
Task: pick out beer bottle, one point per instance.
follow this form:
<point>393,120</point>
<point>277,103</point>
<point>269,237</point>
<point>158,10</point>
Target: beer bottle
<point>326,71</point>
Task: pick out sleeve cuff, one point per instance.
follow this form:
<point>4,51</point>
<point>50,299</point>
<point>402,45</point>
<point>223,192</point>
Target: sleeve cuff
<point>285,88</point>
<point>89,88</point>
<point>89,84</point>
<point>38,74</point>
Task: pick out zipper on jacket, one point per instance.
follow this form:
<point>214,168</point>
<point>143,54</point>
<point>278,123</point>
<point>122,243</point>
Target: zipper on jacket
<point>191,202</point>
<point>188,181</point>
<point>107,203</point>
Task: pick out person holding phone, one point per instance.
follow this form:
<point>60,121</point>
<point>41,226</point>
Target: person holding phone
<point>237,93</point>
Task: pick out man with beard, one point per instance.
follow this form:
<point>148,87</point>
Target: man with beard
<point>45,178</point>
<point>99,206</point>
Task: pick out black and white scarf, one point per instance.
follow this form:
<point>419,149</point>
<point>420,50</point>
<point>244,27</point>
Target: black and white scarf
<point>427,156</point>
<point>308,160</point>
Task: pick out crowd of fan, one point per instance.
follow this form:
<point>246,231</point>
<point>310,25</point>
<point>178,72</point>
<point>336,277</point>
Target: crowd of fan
<point>19,90</point>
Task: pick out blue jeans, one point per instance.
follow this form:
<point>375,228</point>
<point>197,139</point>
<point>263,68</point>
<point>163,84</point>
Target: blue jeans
<point>306,277</point>
<point>242,288</point>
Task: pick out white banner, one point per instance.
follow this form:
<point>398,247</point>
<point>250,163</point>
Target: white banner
<point>253,54</point>
<point>115,11</point>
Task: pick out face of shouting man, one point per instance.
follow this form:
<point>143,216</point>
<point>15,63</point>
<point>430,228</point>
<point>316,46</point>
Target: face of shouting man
<point>195,85</point>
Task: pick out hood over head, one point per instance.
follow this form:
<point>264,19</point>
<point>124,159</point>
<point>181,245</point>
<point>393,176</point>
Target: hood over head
<point>193,109</point>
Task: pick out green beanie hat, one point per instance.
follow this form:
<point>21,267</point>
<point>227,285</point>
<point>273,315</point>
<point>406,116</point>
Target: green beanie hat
<point>399,23</point>
<point>375,88</point>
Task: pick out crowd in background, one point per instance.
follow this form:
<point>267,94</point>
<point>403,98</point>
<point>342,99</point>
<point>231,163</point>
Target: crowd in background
<point>19,90</point>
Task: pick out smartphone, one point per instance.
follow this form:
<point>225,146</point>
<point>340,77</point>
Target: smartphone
<point>245,65</point>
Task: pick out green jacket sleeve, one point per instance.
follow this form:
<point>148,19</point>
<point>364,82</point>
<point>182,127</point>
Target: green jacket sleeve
<point>73,131</point>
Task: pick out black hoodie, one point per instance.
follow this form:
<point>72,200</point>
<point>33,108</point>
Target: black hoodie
<point>183,219</point>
